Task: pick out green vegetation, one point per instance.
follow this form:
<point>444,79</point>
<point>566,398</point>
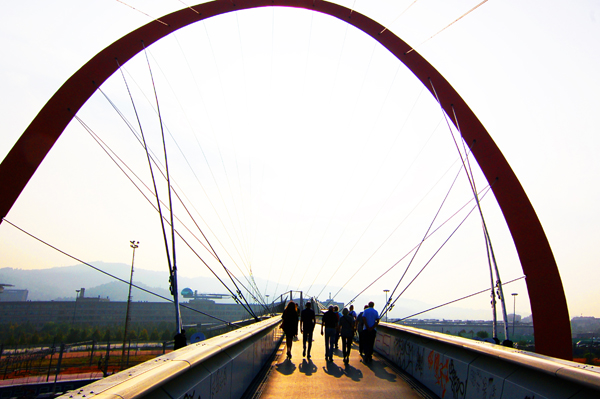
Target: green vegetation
<point>482,334</point>
<point>49,333</point>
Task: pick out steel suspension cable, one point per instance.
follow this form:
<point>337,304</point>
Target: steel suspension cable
<point>403,220</point>
<point>183,204</point>
<point>369,189</point>
<point>489,251</point>
<point>488,243</point>
<point>457,300</point>
<point>141,12</point>
<point>244,211</point>
<point>398,17</point>
<point>162,217</point>
<point>484,192</point>
<point>288,252</point>
<point>204,157</point>
<point>114,157</point>
<point>173,265</point>
<point>385,308</point>
<point>153,177</point>
<point>111,275</point>
<point>347,185</point>
<point>474,191</point>
<point>355,167</point>
<point>208,164</point>
<point>233,146</point>
<point>391,305</point>
<point>449,25</point>
<point>173,269</point>
<point>102,145</point>
<point>150,202</point>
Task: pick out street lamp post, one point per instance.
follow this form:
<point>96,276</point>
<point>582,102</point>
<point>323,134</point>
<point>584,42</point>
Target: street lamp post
<point>134,244</point>
<point>386,294</point>
<point>514,294</point>
<point>268,307</point>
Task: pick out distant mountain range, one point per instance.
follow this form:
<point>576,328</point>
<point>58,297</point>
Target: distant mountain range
<point>60,283</point>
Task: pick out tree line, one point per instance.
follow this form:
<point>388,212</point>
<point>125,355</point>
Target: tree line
<point>13,334</point>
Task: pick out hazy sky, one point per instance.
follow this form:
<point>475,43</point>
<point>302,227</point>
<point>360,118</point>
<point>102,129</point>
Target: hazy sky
<point>303,148</point>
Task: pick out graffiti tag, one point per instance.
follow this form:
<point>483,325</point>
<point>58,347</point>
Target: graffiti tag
<point>456,385</point>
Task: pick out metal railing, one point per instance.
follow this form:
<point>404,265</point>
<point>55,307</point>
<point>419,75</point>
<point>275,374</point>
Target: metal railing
<point>222,366</point>
<point>453,366</point>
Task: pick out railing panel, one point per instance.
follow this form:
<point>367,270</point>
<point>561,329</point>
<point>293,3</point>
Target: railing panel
<point>456,367</point>
<point>527,383</point>
<point>486,377</point>
<point>195,383</point>
<point>221,367</point>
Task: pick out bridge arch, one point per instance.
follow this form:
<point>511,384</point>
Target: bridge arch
<point>548,302</point>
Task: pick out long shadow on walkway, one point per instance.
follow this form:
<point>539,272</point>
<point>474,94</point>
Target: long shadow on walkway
<point>334,379</point>
<point>286,367</point>
<point>333,370</point>
<point>378,368</point>
<point>308,367</point>
<point>353,373</point>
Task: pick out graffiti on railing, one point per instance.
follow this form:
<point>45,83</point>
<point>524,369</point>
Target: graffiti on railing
<point>482,384</point>
<point>218,381</point>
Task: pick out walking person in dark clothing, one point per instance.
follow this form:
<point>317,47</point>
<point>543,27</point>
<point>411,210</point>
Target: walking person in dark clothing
<point>337,333</point>
<point>180,340</point>
<point>370,320</point>
<point>307,325</point>
<point>352,313</point>
<point>330,323</point>
<point>346,332</point>
<point>360,328</point>
<point>290,326</point>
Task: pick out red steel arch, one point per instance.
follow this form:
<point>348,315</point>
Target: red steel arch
<point>548,302</point>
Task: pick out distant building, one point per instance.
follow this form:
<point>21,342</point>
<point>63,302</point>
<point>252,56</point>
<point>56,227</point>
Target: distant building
<point>517,318</point>
<point>469,328</point>
<point>81,297</point>
<point>101,311</point>
<point>13,295</point>
<point>98,312</point>
<point>330,302</point>
<point>585,327</point>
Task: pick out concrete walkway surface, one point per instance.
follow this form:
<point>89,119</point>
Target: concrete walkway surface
<point>311,378</point>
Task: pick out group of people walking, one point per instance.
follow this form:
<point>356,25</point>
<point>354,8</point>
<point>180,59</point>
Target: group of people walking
<point>334,325</point>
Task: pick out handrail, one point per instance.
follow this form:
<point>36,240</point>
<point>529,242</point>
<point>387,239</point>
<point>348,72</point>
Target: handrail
<point>581,374</point>
<point>143,379</point>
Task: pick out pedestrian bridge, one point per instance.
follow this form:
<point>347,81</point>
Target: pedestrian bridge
<point>410,363</point>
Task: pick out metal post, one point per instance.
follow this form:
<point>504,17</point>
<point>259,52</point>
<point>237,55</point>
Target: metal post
<point>60,355</point>
<point>176,299</point>
<point>106,359</point>
<point>92,353</point>
<point>128,349</point>
<point>52,350</point>
<point>386,303</point>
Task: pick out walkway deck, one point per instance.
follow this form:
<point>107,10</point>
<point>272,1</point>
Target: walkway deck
<point>303,378</point>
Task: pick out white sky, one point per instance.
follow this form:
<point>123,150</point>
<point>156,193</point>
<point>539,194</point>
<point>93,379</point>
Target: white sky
<point>312,144</point>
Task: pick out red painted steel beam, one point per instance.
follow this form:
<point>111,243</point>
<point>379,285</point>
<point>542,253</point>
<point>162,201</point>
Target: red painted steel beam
<point>548,302</point>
